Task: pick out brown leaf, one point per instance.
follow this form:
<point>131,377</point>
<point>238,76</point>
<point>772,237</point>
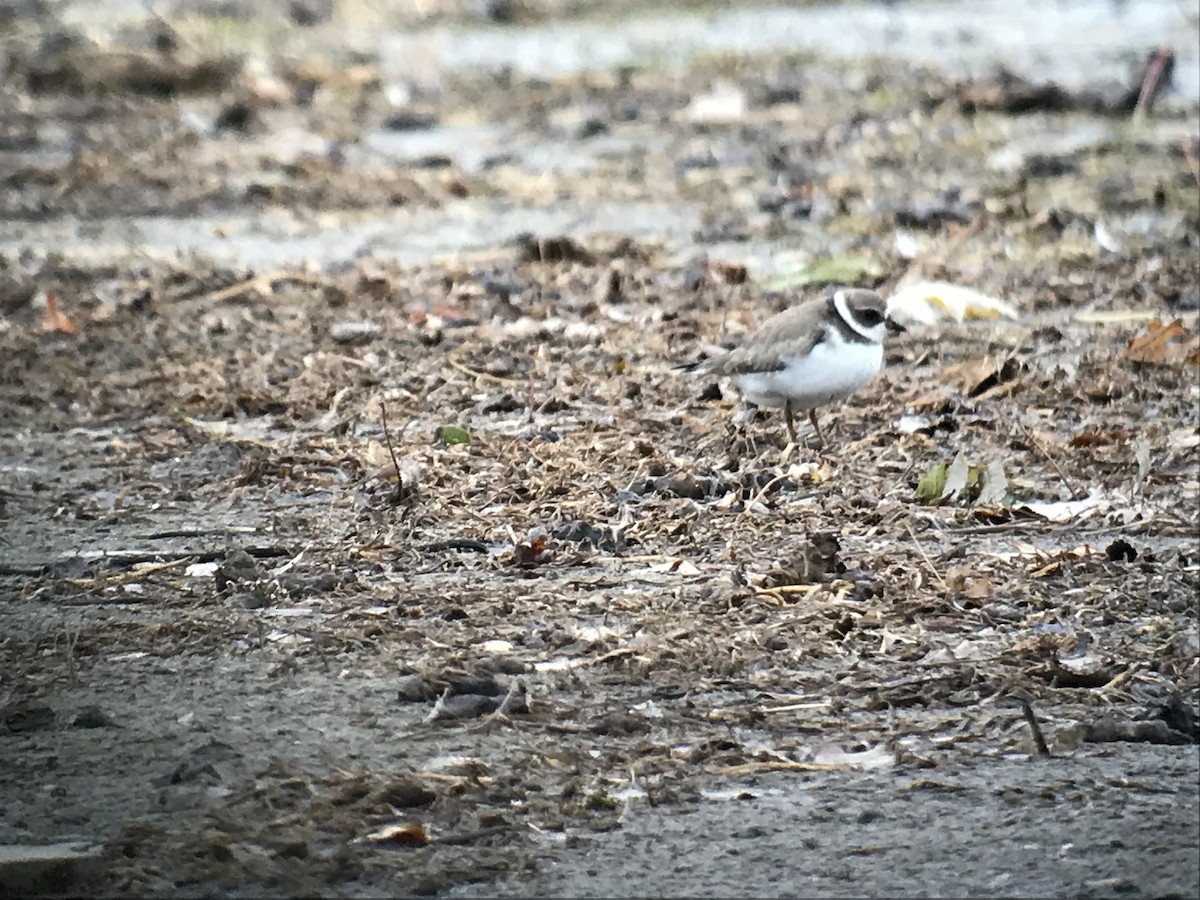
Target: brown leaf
<point>729,272</point>
<point>978,587</point>
<point>410,834</point>
<point>1100,438</point>
<point>527,555</point>
<point>559,248</point>
<point>974,377</point>
<point>1163,343</point>
<point>817,561</point>
<point>963,581</point>
<point>53,320</point>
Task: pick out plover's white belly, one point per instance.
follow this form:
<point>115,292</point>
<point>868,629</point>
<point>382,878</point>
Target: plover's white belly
<point>831,372</point>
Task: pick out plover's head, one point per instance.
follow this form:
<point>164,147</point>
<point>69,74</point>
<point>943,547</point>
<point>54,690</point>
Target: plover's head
<point>865,312</point>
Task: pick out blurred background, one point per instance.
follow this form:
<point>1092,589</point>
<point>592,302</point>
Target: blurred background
<point>301,127</point>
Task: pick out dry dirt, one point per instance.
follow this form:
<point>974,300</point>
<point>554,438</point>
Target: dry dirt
<point>598,635</point>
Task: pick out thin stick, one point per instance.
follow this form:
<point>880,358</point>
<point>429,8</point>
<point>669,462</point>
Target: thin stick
<point>257,283</point>
<point>387,439</point>
<point>928,562</point>
<point>1190,156</point>
<point>766,490</point>
<point>501,711</point>
<point>532,374</point>
<point>72,639</point>
<point>793,707</point>
<point>781,765</point>
<point>496,379</point>
<point>788,589</point>
<point>1038,740</point>
<point>1045,454</point>
<point>1154,73</point>
<point>136,574</point>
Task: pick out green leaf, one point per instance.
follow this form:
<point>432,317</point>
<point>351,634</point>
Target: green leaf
<point>452,434</point>
<point>934,483</point>
<point>834,270</point>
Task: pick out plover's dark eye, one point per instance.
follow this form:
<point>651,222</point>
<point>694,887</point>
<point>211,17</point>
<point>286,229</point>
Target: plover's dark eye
<point>870,317</point>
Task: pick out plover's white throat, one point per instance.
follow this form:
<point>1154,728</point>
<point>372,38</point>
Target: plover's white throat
<point>811,355</point>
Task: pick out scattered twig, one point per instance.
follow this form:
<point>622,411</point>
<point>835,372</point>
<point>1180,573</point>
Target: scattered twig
<point>399,493</point>
<point>1019,525</point>
<point>121,559</point>
<point>788,589</point>
<point>1039,741</point>
<point>134,574</point>
<point>766,489</point>
<point>256,283</point>
<point>1190,155</point>
<point>23,571</point>
<point>610,655</point>
<point>532,383</point>
<point>781,765</point>
<point>1150,81</point>
<point>466,544</point>
<point>475,373</point>
<point>925,556</point>
<point>72,638</point>
<point>224,531</point>
<point>482,780</point>
<point>794,707</point>
<point>501,711</point>
<point>1045,454</point>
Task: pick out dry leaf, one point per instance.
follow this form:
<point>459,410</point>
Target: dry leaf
<point>995,485</point>
<point>1066,510</point>
<point>53,320</point>
<point>410,834</point>
<point>975,377</point>
<point>978,587</point>
<point>956,478</point>
<point>1164,344</point>
<point>1100,438</point>
<point>930,301</point>
<point>729,272</point>
<point>726,102</point>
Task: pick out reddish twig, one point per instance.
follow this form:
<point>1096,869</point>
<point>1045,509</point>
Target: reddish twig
<point>1190,155</point>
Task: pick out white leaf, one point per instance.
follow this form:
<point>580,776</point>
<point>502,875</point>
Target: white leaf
<point>995,485</point>
<point>956,477</point>
<point>910,424</point>
<point>726,102</point>
<point>1066,510</point>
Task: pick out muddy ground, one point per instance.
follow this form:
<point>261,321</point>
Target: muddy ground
<point>358,537</point>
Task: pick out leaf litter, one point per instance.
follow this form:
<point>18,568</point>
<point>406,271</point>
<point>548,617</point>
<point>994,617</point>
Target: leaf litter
<point>598,577</point>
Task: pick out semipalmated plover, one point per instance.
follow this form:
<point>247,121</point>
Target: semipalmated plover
<point>811,355</point>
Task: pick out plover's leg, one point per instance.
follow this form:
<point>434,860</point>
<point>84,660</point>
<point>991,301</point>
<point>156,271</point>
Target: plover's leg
<point>787,417</point>
<point>812,417</point>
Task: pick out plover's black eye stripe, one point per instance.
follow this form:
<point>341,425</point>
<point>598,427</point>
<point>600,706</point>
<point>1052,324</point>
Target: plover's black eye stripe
<point>870,317</point>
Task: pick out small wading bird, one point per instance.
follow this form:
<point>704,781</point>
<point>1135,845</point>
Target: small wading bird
<point>811,355</point>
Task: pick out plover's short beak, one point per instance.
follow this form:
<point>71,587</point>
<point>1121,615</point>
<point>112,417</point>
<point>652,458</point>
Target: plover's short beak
<point>893,326</point>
